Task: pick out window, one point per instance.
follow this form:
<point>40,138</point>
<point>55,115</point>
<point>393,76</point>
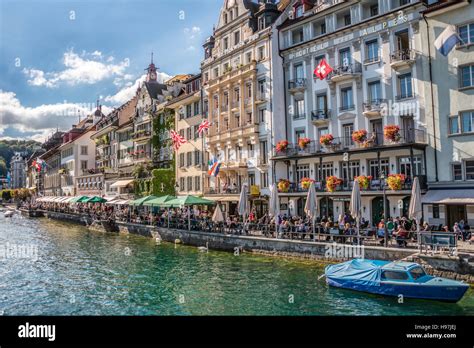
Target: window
<point>374,91</point>
<point>299,109</point>
<point>467,121</point>
<point>197,183</point>
<point>321,104</point>
<point>297,36</point>
<point>195,132</point>
<point>404,86</point>
<point>263,152</point>
<point>84,165</point>
<point>322,28</point>
<point>469,169</point>
<point>261,53</point>
<point>453,124</point>
<point>226,43</point>
<point>345,58</point>
<point>466,33</point>
<point>467,76</point>
<point>189,159</point>
<point>196,108</point>
<point>405,167</point>
<point>262,115</point>
<point>299,10</point>
<point>261,88</point>
<point>248,57</point>
<point>322,131</point>
<point>188,111</point>
<point>236,37</point>
<point>350,170</point>
<point>197,157</point>
<point>318,60</point>
<point>347,19</point>
<point>372,51</point>
<point>346,98</point>
<point>250,150</point>
<point>347,130</point>
<point>394,275</point>
<point>436,211</point>
<point>300,133</point>
<point>189,133</point>
<point>251,179</point>
<point>457,171</point>
<point>249,117</point>
<point>302,171</point>
<point>249,90</point>
<point>181,160</point>
<point>374,168</point>
<point>326,170</point>
<point>189,185</point>
<point>264,179</point>
<point>181,184</point>
<point>84,150</point>
<point>374,10</point>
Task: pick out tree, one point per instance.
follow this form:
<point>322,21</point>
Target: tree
<point>3,167</point>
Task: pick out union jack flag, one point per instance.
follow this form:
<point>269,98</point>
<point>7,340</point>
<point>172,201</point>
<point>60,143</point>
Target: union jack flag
<point>205,124</point>
<point>177,139</point>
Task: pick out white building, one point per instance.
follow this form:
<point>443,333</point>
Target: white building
<point>18,171</point>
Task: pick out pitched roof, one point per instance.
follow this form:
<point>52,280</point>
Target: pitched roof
<point>154,88</point>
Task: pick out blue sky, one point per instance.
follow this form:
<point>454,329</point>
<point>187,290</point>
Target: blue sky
<point>56,56</point>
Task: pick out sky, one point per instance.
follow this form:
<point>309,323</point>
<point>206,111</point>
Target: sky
<point>57,57</point>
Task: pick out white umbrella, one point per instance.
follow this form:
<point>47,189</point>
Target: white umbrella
<point>218,216</point>
<point>415,210</point>
<point>356,205</point>
<point>311,206</point>
<point>274,205</point>
<point>243,204</point>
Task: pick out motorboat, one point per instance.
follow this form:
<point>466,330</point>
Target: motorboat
<point>396,278</point>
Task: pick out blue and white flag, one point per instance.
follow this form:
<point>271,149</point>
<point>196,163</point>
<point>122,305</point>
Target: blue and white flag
<point>447,40</point>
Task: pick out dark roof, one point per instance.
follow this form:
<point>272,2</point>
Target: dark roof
<point>154,88</point>
<point>252,6</point>
<point>441,4</point>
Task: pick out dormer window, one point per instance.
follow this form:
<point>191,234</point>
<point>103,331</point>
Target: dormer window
<point>299,10</point>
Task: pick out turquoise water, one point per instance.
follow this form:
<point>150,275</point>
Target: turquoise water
<point>78,272</point>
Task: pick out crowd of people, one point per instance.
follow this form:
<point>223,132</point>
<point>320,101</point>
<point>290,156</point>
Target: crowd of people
<point>343,229</point>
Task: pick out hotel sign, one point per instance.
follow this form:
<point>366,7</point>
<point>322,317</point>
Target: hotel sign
<point>401,19</point>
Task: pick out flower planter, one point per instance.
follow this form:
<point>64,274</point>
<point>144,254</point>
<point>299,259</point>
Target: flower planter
<point>392,132</point>
<point>305,183</point>
<point>332,182</point>
<point>326,140</point>
<point>364,181</point>
<point>359,136</point>
<point>395,181</point>
<point>283,185</point>
<point>303,143</point>
<point>282,145</point>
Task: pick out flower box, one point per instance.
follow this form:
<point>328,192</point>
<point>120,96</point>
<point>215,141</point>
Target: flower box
<point>326,139</point>
<point>305,183</point>
<point>332,182</point>
<point>283,185</point>
<point>392,132</point>
<point>282,145</point>
<point>359,136</point>
<point>303,143</point>
<point>395,181</point>
<point>364,181</point>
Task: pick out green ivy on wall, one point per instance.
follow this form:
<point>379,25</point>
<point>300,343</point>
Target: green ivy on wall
<point>157,181</point>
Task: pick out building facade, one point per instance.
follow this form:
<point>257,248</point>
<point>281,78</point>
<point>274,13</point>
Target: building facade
<point>450,115</point>
<point>190,159</point>
<point>377,86</point>
<point>237,93</point>
<point>18,169</point>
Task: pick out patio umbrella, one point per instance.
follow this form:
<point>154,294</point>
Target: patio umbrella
<point>243,203</point>
<point>415,210</point>
<point>140,201</point>
<point>159,200</point>
<point>79,199</point>
<point>94,199</point>
<point>187,201</point>
<point>218,216</point>
<point>311,206</point>
<point>274,205</point>
<point>356,205</point>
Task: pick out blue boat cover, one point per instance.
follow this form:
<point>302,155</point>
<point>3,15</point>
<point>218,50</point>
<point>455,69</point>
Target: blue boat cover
<point>364,272</point>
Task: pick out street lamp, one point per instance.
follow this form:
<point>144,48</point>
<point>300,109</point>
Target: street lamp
<point>382,184</point>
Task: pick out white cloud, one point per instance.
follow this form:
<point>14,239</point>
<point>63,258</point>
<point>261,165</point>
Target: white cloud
<point>79,69</point>
<point>193,33</point>
<point>42,119</point>
<point>127,93</point>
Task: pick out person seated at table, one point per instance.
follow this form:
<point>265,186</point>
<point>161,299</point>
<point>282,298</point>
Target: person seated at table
<point>457,231</point>
<point>401,236</point>
<point>466,233</point>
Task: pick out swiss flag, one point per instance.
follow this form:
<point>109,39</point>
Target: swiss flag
<point>322,70</point>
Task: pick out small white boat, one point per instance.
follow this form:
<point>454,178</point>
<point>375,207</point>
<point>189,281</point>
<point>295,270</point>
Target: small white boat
<point>9,213</point>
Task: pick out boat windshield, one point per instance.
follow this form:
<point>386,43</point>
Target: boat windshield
<point>417,272</point>
<point>394,275</point>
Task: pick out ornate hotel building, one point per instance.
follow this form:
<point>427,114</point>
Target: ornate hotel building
<point>237,96</point>
<point>375,49</point>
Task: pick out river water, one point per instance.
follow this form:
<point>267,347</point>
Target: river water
<point>72,271</point>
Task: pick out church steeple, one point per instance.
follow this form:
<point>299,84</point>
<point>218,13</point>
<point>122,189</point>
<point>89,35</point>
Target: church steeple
<point>151,71</point>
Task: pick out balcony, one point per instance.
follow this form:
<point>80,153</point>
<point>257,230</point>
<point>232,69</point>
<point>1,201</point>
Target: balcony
<point>402,58</point>
<point>320,117</point>
<point>348,107</point>
<point>234,74</point>
<point>142,156</point>
<point>141,135</point>
<point>374,107</point>
<point>235,105</point>
<point>345,72</point>
<point>222,191</point>
<point>376,186</point>
<point>297,85</point>
<point>343,144</point>
<point>261,97</point>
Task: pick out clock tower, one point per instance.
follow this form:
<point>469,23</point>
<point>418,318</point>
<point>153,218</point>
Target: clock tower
<point>151,71</point>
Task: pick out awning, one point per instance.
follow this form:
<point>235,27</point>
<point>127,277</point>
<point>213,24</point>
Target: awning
<point>121,183</point>
<point>223,198</point>
<point>449,197</point>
